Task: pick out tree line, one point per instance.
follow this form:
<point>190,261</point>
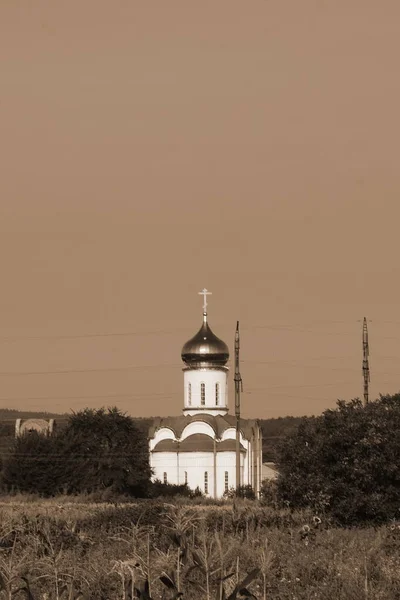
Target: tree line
<point>344,463</point>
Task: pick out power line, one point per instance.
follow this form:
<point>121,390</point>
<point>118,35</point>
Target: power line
<point>88,335</point>
<point>295,327</point>
<point>93,370</point>
<point>172,394</point>
<point>145,367</point>
<point>91,396</point>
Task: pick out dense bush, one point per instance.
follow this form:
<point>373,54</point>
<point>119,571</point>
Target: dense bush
<point>244,491</point>
<point>346,462</point>
<point>97,450</point>
<point>158,489</point>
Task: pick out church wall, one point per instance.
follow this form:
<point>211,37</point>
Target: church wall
<point>164,462</point>
<point>245,474</point>
<point>195,465</point>
<point>226,463</point>
<point>260,460</point>
<point>210,377</point>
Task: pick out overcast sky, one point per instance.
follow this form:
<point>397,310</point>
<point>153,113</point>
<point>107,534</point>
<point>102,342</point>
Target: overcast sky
<point>150,149</point>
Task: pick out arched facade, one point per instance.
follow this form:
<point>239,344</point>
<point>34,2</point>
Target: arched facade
<point>23,426</point>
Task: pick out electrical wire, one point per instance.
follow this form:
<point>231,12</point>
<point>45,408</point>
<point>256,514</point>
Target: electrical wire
<point>294,327</point>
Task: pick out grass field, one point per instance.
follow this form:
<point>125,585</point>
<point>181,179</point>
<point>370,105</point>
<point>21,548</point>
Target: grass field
<point>59,549</point>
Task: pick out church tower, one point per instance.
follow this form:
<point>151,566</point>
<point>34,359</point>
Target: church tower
<point>205,371</point>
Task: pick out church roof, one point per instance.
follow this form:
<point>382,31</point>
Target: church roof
<point>205,348</point>
<point>198,442</point>
<point>166,446</point>
<point>219,423</point>
<point>229,446</point>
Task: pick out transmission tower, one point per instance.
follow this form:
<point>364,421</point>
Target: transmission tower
<point>365,366</point>
<point>238,389</point>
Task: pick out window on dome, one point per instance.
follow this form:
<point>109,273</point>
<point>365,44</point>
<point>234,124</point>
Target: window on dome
<point>217,394</point>
<point>190,394</point>
<point>206,482</point>
<point>186,478</point>
<point>165,479</point>
<point>226,481</point>
<point>202,394</point>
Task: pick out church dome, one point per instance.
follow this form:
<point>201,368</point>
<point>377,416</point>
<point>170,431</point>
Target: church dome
<point>205,349</point>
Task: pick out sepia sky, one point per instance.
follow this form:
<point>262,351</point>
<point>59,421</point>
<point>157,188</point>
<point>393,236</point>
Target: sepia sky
<point>150,149</point>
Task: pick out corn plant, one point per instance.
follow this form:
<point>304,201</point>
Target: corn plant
<point>266,557</point>
<point>12,569</point>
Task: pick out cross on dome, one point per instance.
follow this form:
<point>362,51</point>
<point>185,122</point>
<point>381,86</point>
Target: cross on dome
<point>205,293</point>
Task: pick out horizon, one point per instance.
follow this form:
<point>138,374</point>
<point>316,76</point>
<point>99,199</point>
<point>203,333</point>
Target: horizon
<point>67,414</point>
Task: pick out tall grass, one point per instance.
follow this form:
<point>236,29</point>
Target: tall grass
<point>57,550</point>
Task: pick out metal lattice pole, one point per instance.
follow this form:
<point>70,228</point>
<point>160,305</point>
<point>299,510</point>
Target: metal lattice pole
<point>238,389</point>
<point>365,366</point>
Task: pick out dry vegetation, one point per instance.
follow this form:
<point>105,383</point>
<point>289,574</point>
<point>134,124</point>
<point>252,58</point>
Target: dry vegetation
<point>69,550</point>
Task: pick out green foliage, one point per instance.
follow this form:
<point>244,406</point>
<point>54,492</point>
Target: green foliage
<point>269,493</point>
<point>244,491</point>
<point>108,451</point>
<point>97,450</point>
<point>346,462</point>
<point>157,489</point>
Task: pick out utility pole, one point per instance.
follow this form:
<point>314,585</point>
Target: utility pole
<point>365,366</point>
<point>238,389</point>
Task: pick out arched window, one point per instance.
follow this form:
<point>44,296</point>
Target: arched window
<point>186,479</point>
<point>190,394</point>
<point>202,394</point>
<point>226,481</point>
<point>206,482</point>
<point>165,477</point>
<point>217,394</point>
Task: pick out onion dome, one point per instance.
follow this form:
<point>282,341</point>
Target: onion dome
<point>205,349</point>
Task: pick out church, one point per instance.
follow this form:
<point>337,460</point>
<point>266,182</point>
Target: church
<point>198,447</point>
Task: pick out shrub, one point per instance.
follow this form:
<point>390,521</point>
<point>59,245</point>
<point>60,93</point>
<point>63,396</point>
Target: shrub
<point>157,489</point>
<point>98,450</point>
<point>244,491</point>
<point>346,462</point>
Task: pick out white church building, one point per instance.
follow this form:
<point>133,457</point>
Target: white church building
<point>198,448</point>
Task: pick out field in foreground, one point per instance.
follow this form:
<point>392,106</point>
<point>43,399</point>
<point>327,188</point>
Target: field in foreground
<point>60,550</point>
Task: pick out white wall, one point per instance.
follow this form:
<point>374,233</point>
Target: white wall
<point>210,377</point>
<point>164,462</point>
<point>195,464</point>
<point>175,465</point>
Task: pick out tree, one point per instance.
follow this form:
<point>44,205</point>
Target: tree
<point>346,461</point>
<point>97,450</point>
<point>34,465</point>
<point>108,450</point>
